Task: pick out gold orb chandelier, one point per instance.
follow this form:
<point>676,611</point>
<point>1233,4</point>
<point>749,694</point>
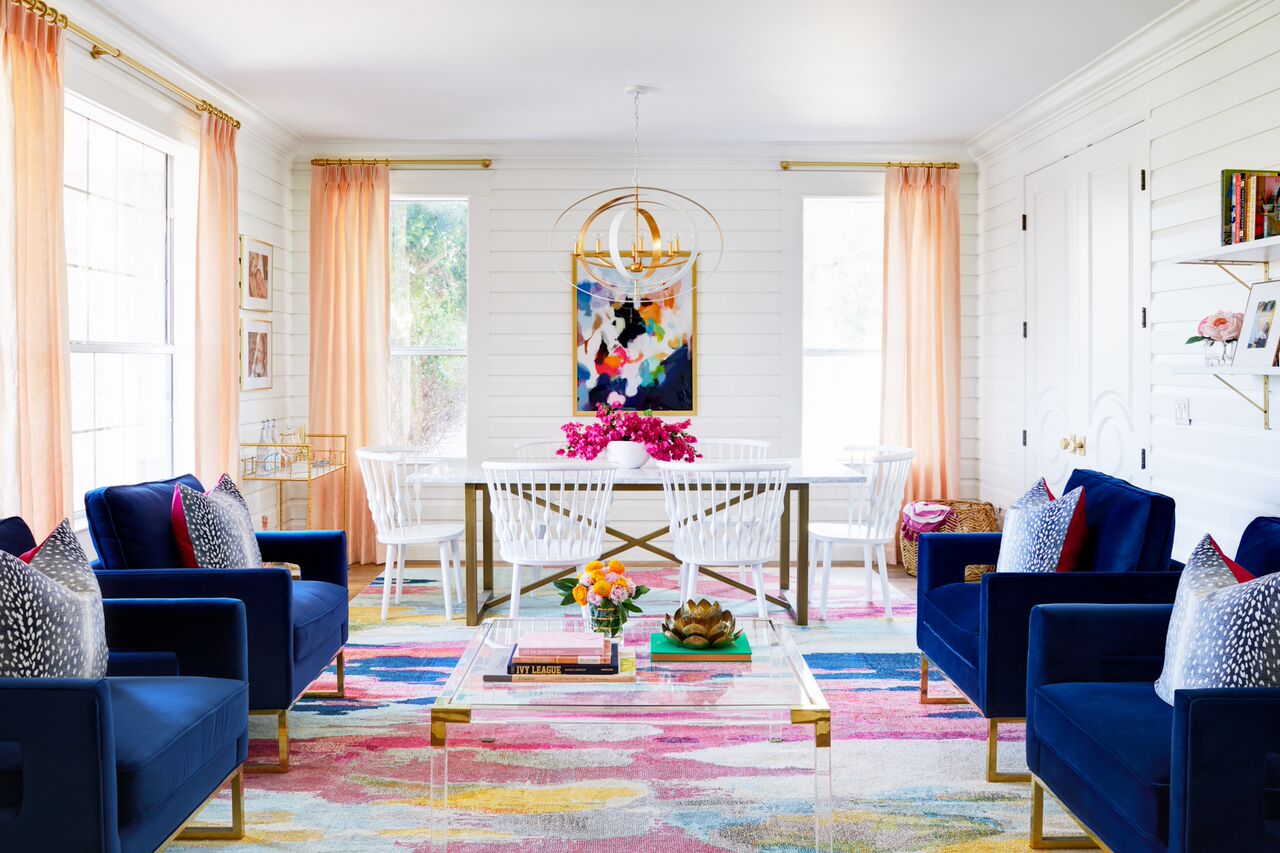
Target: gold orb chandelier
<point>655,237</point>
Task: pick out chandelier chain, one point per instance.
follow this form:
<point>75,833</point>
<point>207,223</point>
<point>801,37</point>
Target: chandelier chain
<point>635,149</point>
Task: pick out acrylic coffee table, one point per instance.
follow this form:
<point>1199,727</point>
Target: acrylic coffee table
<point>774,690</point>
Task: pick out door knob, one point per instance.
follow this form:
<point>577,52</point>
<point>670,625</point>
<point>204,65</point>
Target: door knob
<point>1066,444</point>
<point>1075,444</point>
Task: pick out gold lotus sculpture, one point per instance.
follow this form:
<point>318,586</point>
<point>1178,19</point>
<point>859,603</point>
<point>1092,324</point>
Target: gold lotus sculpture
<point>701,625</point>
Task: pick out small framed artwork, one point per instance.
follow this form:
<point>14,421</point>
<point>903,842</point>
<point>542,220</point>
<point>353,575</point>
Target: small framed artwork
<point>1260,336</point>
<point>255,355</point>
<point>256,268</point>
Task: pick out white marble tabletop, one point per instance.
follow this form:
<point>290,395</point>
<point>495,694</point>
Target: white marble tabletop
<point>462,472</point>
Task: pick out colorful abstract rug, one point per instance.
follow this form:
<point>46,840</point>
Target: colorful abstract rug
<point>905,777</point>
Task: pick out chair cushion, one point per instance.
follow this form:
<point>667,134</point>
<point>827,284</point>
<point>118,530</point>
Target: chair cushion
<point>1129,529</point>
<point>132,526</point>
<point>1116,737</point>
<point>15,536</point>
<point>214,529</point>
<point>1223,629</point>
<point>166,730</point>
<point>319,611</point>
<point>952,611</point>
<point>1043,533</point>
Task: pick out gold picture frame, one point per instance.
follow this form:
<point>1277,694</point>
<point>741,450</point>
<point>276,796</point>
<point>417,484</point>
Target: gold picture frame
<point>257,357</point>
<point>691,290</point>
<point>257,274</point>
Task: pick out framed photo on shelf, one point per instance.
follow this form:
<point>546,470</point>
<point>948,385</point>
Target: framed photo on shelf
<point>255,354</point>
<point>257,262</point>
<point>1260,334</point>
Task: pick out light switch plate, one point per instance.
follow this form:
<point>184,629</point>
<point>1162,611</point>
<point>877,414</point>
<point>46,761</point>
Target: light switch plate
<point>1182,411</point>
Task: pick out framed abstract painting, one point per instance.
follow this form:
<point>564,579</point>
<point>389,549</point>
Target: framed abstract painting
<point>635,358</point>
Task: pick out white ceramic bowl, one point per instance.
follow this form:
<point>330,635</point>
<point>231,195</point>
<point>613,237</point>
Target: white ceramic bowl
<point>627,454</point>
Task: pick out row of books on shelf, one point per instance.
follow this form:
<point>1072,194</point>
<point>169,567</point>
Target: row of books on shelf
<point>1249,205</point>
<point>568,656</point>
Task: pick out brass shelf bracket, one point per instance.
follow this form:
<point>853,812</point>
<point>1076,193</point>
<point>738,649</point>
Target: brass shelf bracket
<point>1264,406</point>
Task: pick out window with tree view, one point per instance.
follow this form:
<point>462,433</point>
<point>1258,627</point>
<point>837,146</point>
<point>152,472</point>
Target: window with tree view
<point>428,371</point>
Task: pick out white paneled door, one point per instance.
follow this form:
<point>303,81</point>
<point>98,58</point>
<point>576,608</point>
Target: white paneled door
<point>1088,279</point>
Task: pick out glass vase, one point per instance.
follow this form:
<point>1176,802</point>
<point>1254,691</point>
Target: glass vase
<point>1213,353</point>
<point>606,620</point>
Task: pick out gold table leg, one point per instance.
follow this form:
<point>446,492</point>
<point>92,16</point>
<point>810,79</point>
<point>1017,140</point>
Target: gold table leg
<point>469,538</point>
<point>784,543</point>
<point>802,554</point>
<point>487,533</point>
<point>823,815</point>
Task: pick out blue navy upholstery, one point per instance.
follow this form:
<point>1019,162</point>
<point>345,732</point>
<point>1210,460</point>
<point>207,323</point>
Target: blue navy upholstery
<point>296,628</point>
<point>118,764</point>
<point>1141,775</point>
<point>15,536</point>
<point>976,633</point>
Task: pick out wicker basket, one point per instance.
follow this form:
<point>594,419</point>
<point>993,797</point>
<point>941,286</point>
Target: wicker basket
<point>966,517</point>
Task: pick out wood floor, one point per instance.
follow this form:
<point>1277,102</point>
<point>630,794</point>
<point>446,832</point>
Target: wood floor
<point>361,575</point>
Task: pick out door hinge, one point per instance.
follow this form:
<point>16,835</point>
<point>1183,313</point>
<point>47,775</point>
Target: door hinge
<point>1024,222</point>
<point>1144,318</point>
<point>1024,438</point>
<point>1024,328</point>
<point>1144,459</point>
<point>1142,179</point>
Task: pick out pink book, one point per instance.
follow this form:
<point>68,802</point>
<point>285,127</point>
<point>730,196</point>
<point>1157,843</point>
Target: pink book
<point>556,643</point>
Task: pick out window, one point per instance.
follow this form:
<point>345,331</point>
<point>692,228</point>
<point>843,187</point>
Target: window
<point>117,190</point>
<point>428,374</point>
<point>843,299</point>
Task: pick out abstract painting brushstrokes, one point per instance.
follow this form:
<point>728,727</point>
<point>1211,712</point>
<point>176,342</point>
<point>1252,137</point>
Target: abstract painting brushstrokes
<point>635,357</point>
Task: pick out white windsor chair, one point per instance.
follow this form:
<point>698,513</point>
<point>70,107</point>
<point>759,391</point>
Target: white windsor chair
<point>531,451</point>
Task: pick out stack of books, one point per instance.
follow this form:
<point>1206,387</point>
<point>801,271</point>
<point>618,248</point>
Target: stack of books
<point>1249,205</point>
<point>567,656</point>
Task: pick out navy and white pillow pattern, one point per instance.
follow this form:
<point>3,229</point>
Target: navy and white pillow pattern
<point>214,530</point>
<point>51,620</point>
<point>1225,629</point>
<point>1041,533</point>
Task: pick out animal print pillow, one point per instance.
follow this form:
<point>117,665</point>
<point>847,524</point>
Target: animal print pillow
<point>1225,629</point>
<point>51,619</point>
<point>214,530</point>
<point>1041,533</point>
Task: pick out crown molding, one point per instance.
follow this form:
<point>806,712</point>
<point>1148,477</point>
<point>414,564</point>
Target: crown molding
<point>254,123</point>
<point>1140,56</point>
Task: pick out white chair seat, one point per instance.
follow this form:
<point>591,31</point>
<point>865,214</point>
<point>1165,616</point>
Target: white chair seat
<point>424,534</point>
<point>856,533</point>
<point>533,552</point>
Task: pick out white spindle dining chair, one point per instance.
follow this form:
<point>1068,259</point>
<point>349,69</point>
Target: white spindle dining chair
<point>530,451</point>
<point>732,449</point>
<point>724,514</point>
<point>871,520</point>
<point>397,503</point>
<point>548,514</point>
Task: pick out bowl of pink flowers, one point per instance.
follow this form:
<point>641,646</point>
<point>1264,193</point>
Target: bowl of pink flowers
<point>629,439</point>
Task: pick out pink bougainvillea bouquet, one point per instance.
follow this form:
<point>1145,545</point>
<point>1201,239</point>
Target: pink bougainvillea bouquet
<point>665,441</point>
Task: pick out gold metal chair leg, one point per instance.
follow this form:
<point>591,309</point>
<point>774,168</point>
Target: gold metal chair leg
<point>925,698</point>
<point>341,692</point>
<point>282,737</point>
<point>1057,842</point>
<point>993,738</point>
<point>234,832</point>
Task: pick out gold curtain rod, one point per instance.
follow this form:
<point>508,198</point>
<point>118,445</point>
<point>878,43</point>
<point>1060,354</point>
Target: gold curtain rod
<point>98,48</point>
<point>373,161</point>
<point>788,165</point>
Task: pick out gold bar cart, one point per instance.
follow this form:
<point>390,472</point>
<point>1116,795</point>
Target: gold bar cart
<point>305,459</point>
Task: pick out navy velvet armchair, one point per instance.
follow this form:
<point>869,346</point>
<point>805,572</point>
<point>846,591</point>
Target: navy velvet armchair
<point>296,628</point>
<point>976,633</point>
<point>1137,774</point>
<point>123,763</point>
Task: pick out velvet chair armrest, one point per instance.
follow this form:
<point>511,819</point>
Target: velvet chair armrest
<point>268,605</point>
<point>208,636</point>
<point>1224,743</point>
<point>321,554</point>
<point>63,731</point>
<point>941,557</point>
<point>1095,642</point>
<point>1005,607</point>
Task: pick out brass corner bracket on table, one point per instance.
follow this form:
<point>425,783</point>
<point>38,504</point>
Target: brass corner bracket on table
<point>442,717</point>
<point>819,718</point>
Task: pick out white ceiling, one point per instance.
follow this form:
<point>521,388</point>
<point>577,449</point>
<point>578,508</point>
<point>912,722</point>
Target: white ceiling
<point>725,70</point>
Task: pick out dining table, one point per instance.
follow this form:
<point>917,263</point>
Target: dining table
<point>478,519</point>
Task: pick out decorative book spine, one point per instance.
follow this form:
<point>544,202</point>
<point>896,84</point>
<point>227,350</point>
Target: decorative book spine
<point>609,668</point>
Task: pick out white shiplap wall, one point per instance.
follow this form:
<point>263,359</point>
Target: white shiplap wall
<point>1203,82</point>
<point>264,154</point>
<point>749,314</point>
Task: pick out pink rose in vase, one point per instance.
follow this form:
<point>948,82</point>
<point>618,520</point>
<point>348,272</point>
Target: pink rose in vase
<point>1221,326</point>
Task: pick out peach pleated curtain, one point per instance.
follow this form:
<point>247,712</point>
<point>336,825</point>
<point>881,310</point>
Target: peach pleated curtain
<point>921,376</point>
<point>35,392</point>
<point>350,329</point>
<point>217,403</point>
